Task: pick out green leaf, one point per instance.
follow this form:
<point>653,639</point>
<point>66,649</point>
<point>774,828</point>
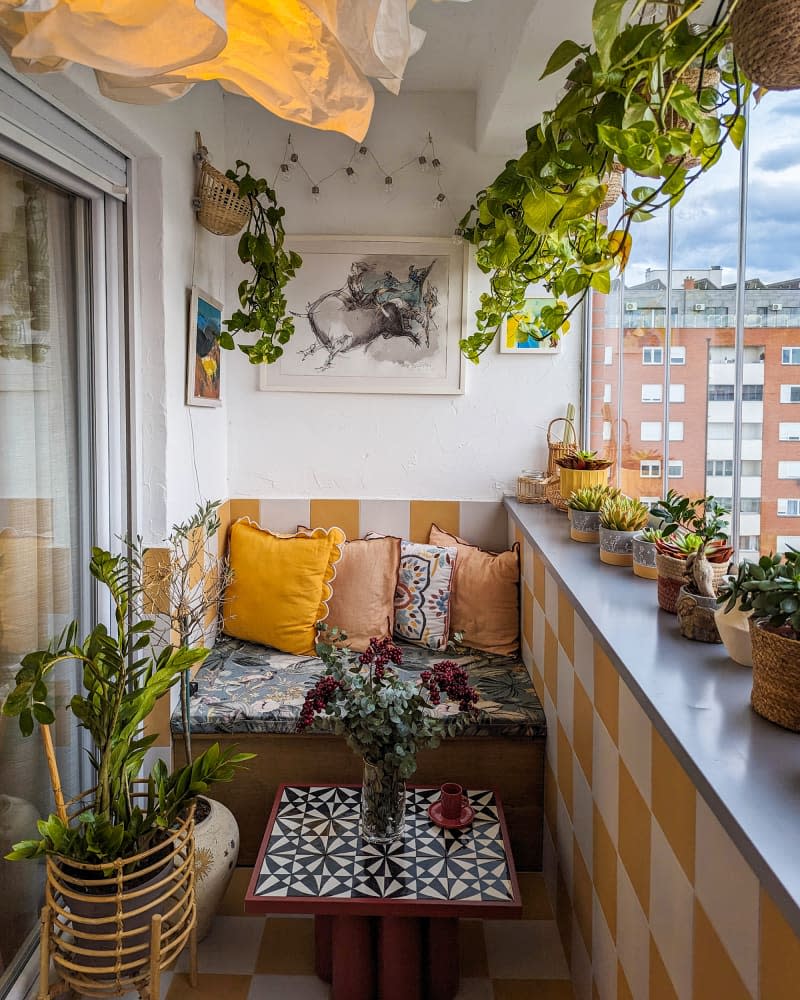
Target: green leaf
<point>565,53</point>
<point>539,209</point>
<point>605,27</point>
<point>43,714</point>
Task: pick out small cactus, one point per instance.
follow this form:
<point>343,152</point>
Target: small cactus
<point>624,514</point>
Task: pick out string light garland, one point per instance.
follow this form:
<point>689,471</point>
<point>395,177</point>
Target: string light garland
<point>362,158</point>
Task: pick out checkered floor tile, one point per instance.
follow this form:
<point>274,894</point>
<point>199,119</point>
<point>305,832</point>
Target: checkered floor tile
<point>252,958</point>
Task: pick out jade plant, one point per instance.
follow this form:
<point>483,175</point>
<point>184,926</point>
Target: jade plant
<point>585,460</point>
<point>624,514</point>
<point>591,498</point>
<point>656,92</point>
<point>770,589</point>
<point>263,309</point>
<point>122,681</point>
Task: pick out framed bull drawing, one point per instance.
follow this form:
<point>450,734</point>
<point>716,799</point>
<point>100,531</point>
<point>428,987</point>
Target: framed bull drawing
<point>374,314</point>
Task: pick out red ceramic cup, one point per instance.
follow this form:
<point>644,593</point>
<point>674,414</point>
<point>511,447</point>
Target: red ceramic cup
<point>452,799</point>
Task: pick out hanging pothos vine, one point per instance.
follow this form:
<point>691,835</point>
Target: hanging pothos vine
<point>654,93</point>
<point>263,304</point>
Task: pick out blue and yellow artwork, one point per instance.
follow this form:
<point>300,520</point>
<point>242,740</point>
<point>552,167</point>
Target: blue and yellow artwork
<point>523,331</point>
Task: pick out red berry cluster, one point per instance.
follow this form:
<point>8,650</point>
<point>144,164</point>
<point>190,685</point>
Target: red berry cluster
<point>378,654</point>
<point>316,699</point>
<point>452,679</point>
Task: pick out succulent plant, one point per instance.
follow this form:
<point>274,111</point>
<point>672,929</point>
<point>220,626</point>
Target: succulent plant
<point>651,534</point>
<point>624,514</point>
<point>770,589</point>
<point>592,498</point>
<point>697,529</point>
<point>586,460</point>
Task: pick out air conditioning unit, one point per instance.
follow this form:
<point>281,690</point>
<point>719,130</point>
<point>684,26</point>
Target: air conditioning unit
<point>776,307</point>
<point>699,307</point>
<point>630,307</point>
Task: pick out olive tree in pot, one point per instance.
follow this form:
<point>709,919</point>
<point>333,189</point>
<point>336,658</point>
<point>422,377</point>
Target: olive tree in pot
<point>697,597</point>
<point>620,519</point>
<point>770,591</point>
<point>584,511</point>
<point>120,869</point>
<point>191,584</point>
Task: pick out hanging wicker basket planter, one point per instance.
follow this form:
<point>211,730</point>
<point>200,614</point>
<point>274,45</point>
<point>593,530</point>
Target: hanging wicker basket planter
<point>766,42</point>
<point>221,211</point>
<point>776,676</point>
<point>613,181</point>
<point>672,120</point>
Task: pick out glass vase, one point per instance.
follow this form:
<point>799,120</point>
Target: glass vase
<point>383,804</point>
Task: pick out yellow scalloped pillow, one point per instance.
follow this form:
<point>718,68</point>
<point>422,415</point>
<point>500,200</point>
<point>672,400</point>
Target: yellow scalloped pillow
<point>281,585</point>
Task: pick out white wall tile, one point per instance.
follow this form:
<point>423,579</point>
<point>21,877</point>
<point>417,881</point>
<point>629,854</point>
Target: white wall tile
<point>538,636</point>
<point>527,654</point>
<point>285,515</point>
<point>633,937</point>
<point>604,953</point>
<point>550,866</point>
<point>387,517</point>
<point>727,887</point>
<point>580,966</point>
<point>582,813</point>
<point>565,684</point>
<point>551,600</point>
<point>484,523</point>
<point>605,777</point>
<point>635,740</point>
<point>584,654</point>
<point>564,843</point>
<point>551,743</point>
<point>527,564</point>
<point>671,912</point>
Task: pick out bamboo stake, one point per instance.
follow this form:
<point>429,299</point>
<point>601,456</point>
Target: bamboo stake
<point>55,777</point>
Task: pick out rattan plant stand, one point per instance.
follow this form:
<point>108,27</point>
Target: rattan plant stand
<point>109,934</point>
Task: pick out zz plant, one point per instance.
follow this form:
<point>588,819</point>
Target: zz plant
<point>631,102</point>
<point>263,303</point>
<point>122,681</point>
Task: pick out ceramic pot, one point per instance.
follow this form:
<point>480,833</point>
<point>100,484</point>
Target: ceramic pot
<point>696,616</point>
<point>383,804</point>
<point>616,547</point>
<point>579,479</point>
<point>734,630</point>
<point>644,558</point>
<point>584,525</point>
<point>216,850</point>
<point>776,676</point>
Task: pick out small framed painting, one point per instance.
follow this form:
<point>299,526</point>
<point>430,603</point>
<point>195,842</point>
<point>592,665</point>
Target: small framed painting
<point>203,385</point>
<point>521,330</point>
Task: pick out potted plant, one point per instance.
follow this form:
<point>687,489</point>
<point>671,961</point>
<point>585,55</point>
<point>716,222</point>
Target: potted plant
<point>643,550</point>
<point>581,469</point>
<point>263,303</point>
<point>116,858</point>
<point>684,531</point>
<point>584,512</point>
<point>190,584</point>
<point>770,591</point>
<point>620,519</point>
<point>385,719</point>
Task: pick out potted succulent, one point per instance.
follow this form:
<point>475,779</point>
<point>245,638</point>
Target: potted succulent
<point>116,857</point>
<point>581,469</point>
<point>584,512</point>
<point>385,719</point>
<point>770,591</point>
<point>689,526</point>
<point>620,519</point>
<point>644,553</point>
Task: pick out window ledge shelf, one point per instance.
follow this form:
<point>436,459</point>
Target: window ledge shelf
<point>746,769</point>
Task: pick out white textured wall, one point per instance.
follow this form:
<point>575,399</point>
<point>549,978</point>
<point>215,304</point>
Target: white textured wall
<point>332,445</point>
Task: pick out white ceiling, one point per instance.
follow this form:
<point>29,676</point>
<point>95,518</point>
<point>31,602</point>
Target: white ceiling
<point>498,49</point>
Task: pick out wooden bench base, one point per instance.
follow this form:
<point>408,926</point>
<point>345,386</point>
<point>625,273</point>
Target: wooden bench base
<point>515,767</point>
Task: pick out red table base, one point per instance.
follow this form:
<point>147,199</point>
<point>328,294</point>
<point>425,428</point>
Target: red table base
<point>391,958</point>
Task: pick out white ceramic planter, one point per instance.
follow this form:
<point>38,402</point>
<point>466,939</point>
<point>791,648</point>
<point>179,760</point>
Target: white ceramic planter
<point>734,630</point>
<point>216,850</point>
<point>616,547</point>
<point>584,525</point>
<point>644,558</point>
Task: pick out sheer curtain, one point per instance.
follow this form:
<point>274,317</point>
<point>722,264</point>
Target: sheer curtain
<point>40,504</point>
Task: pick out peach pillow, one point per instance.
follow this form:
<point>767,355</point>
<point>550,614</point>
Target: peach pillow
<point>363,591</point>
<point>484,605</point>
<point>281,585</point>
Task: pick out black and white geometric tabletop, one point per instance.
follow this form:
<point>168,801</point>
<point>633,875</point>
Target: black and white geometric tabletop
<point>315,850</point>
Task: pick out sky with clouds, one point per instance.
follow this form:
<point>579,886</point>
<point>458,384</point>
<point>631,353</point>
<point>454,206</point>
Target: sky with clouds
<point>707,218</point>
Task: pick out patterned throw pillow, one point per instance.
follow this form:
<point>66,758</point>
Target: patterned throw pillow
<point>422,598</point>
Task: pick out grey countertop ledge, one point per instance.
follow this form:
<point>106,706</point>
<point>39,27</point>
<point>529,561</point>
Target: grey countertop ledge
<point>746,769</point>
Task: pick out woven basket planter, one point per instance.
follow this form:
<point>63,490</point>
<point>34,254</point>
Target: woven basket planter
<point>109,934</point>
<point>613,181</point>
<point>671,579</point>
<point>221,210</point>
<point>531,488</point>
<point>776,677</point>
<point>691,78</point>
<point>568,444</point>
<point>766,42</point>
<point>552,492</point>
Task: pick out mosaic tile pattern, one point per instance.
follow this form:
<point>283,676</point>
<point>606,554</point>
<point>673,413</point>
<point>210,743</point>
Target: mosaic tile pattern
<point>316,849</point>
<point>652,898</point>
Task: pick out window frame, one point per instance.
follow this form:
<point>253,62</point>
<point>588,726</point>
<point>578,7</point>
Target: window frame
<point>652,349</point>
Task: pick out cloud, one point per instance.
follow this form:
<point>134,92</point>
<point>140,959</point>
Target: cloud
<point>780,158</point>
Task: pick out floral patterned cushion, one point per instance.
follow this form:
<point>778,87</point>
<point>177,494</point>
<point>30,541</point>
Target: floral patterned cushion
<point>245,688</point>
<point>422,598</point>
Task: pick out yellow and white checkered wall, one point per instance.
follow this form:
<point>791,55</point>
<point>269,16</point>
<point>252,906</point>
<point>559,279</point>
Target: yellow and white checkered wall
<point>653,899</point>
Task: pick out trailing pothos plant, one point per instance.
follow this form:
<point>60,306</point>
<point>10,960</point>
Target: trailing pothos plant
<point>642,97</point>
<point>263,304</point>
